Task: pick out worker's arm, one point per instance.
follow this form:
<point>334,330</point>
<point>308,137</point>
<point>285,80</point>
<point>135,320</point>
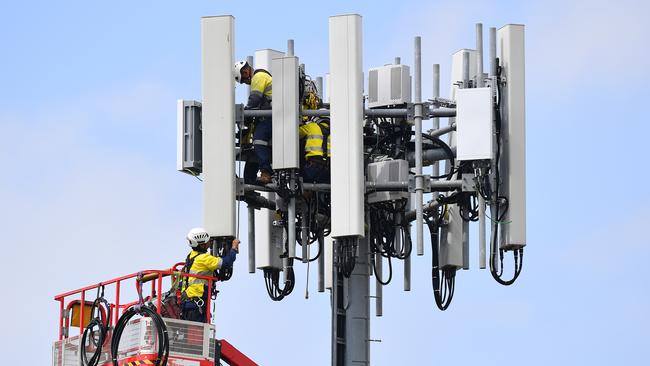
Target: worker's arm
<point>228,259</point>
<point>254,100</point>
<point>302,131</point>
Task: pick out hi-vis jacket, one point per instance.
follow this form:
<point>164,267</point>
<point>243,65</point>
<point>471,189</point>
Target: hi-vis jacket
<point>314,135</point>
<point>261,90</point>
<point>204,264</point>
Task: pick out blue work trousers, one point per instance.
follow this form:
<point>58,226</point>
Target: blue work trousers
<point>262,137</point>
<point>313,172</point>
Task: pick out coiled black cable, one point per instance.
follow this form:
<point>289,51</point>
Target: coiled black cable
<point>443,280</point>
<point>160,332</point>
<point>272,280</point>
<point>103,326</point>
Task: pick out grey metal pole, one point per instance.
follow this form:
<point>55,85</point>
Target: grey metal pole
<point>436,121</point>
<point>481,232</point>
<point>319,86</point>
<point>419,195</point>
<point>357,319</point>
<point>465,69</point>
<point>407,266</point>
<point>440,112</point>
<point>305,235</point>
<point>290,47</point>
<point>493,58</point>
<point>321,263</point>
<point>251,240</point>
<point>291,224</point>
<point>379,288</point>
<point>479,55</point>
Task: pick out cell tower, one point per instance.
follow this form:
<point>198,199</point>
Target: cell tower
<point>363,217</point>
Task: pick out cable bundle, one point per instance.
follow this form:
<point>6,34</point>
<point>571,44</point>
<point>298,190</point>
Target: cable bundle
<point>160,332</point>
<point>272,280</point>
<point>443,280</point>
<point>346,255</point>
<point>386,223</point>
<point>103,326</point>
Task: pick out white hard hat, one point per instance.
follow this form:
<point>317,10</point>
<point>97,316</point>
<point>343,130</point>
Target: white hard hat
<point>238,67</point>
<point>197,236</point>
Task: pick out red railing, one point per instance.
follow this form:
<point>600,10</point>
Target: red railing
<point>140,278</point>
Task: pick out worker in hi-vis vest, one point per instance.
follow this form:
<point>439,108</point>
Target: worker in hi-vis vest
<point>199,262</point>
<point>261,82</point>
<point>316,135</point>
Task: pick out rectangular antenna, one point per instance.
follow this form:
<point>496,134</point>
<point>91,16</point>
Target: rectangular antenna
<point>346,110</point>
<point>218,116</point>
<point>285,113</point>
<point>513,134</point>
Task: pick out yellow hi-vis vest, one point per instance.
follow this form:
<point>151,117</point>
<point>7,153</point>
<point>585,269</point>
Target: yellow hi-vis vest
<point>313,135</point>
<point>204,265</point>
<point>261,90</point>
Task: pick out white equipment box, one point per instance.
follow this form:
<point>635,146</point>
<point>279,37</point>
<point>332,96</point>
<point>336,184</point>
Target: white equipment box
<point>387,172</point>
<point>389,85</point>
<point>474,116</point>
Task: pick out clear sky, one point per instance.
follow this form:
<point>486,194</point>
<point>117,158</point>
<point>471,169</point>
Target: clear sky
<point>89,191</point>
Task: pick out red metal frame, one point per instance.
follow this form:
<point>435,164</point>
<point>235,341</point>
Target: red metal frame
<point>116,304</point>
<point>229,353</point>
<point>233,356</point>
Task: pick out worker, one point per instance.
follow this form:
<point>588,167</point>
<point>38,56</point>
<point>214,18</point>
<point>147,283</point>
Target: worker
<point>199,262</point>
<point>315,136</point>
<point>260,97</point>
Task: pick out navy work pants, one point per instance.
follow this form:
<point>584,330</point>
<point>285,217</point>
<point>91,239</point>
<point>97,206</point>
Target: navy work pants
<point>262,137</point>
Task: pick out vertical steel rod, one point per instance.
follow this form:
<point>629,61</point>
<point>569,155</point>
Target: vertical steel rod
<point>379,288</point>
<point>251,211</point>
<point>321,263</point>
<point>436,120</point>
<point>304,237</point>
<point>418,145</point>
<point>407,267</point>
<point>290,47</point>
<point>465,69</point>
<point>291,224</point>
<point>481,232</point>
<point>479,55</point>
<point>493,58</point>
<point>251,240</point>
<point>319,86</point>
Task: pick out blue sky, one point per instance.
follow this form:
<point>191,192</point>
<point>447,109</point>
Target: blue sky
<point>89,189</point>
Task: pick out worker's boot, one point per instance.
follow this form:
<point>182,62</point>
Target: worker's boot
<point>265,178</point>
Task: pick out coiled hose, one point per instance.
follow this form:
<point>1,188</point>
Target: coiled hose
<point>160,331</point>
<point>102,326</point>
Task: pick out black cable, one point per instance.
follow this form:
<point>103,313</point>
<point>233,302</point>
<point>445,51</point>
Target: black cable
<point>272,281</point>
<point>443,280</point>
<point>103,326</point>
<point>448,151</point>
<point>160,331</point>
<point>518,252</point>
<point>390,272</point>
